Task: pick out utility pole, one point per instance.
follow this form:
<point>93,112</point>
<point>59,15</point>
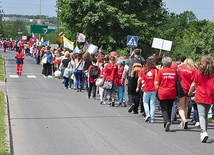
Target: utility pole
<point>40,12</point>
<point>1,25</point>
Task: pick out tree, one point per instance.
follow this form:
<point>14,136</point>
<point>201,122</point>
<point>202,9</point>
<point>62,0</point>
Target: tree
<point>183,29</point>
<point>204,44</point>
<point>11,28</point>
<point>108,23</point>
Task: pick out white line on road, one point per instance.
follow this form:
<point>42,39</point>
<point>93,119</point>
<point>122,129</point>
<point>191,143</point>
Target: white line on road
<point>31,76</point>
<point>14,76</point>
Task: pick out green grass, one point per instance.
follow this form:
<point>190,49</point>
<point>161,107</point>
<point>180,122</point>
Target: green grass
<point>1,68</point>
<point>3,145</point>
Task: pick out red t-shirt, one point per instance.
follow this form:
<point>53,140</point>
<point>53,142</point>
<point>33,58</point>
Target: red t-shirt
<point>174,65</point>
<point>140,74</point>
<point>90,80</point>
<point>186,77</point>
<point>19,55</point>
<point>204,89</point>
<point>149,78</point>
<point>21,46</point>
<point>120,81</point>
<point>110,72</point>
<point>167,83</point>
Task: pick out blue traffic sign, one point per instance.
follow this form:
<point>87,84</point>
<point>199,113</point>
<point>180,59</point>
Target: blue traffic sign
<point>132,41</point>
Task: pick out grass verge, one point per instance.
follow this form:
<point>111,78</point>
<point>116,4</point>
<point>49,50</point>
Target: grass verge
<point>3,144</point>
<point>1,68</point>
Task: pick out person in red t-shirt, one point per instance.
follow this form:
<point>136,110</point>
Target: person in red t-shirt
<point>120,83</point>
<point>92,80</point>
<point>19,61</point>
<point>166,79</point>
<point>5,45</point>
<point>147,77</point>
<point>204,97</point>
<point>185,74</point>
<point>110,75</point>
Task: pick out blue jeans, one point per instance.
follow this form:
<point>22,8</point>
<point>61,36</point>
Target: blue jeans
<point>121,93</point>
<point>66,80</point>
<point>174,107</point>
<point>78,76</point>
<point>195,113</point>
<point>149,98</point>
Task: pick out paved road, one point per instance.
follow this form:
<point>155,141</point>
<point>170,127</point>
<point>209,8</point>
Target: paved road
<point>48,120</point>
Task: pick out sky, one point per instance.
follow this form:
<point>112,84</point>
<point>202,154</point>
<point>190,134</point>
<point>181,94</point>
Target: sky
<point>29,7</point>
<point>203,9</point>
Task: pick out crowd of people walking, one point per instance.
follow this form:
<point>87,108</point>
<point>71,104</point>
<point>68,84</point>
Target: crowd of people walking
<point>136,83</point>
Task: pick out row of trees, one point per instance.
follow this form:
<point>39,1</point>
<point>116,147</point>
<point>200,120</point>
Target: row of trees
<point>108,23</point>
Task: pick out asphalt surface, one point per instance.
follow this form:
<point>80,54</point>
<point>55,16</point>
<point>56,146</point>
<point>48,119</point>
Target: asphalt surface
<point>49,120</point>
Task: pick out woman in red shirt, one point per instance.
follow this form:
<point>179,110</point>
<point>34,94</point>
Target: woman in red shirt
<point>147,77</point>
<point>166,79</point>
<point>185,74</point>
<point>204,97</point>
<point>110,75</point>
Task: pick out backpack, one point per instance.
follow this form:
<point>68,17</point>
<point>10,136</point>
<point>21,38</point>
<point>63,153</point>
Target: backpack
<point>94,72</point>
<point>135,70</point>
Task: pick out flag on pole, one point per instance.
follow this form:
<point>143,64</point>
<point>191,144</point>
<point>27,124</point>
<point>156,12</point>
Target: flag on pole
<point>76,50</point>
<point>68,44</point>
<point>42,40</point>
<point>80,37</point>
<point>33,35</point>
<point>85,46</point>
<point>92,49</point>
<point>100,49</point>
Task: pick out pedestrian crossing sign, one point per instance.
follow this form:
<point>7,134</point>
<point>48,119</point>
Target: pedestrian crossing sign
<point>132,41</point>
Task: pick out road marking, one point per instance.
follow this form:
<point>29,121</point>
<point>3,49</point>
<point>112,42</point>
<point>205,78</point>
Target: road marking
<point>31,76</point>
<point>14,76</point>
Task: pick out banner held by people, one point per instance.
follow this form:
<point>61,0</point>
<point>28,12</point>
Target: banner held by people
<point>67,43</point>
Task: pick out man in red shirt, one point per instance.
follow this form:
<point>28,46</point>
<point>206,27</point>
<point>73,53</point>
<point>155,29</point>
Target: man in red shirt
<point>19,61</point>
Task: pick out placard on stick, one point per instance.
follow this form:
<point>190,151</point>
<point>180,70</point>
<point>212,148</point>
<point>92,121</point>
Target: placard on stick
<point>162,44</point>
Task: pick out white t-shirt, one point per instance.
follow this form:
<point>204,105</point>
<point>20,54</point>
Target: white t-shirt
<point>80,67</point>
